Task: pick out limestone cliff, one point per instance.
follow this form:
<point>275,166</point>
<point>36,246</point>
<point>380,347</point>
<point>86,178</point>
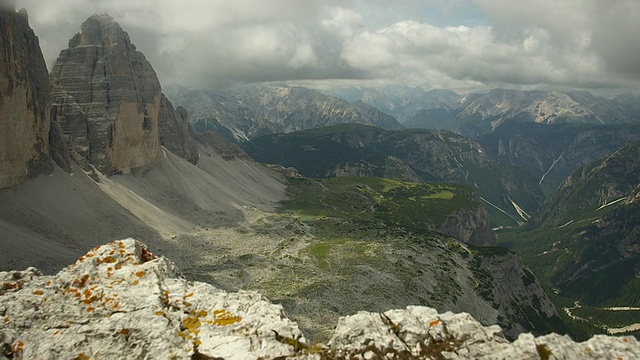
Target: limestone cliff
<point>175,131</point>
<point>107,98</point>
<point>24,99</point>
<point>121,301</point>
<point>470,225</point>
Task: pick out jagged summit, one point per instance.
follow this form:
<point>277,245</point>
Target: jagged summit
<point>109,102</point>
<point>101,30</point>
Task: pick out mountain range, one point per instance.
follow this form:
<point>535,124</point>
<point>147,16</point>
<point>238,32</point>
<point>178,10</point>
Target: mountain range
<point>105,155</point>
<point>353,212</point>
<point>245,112</point>
<point>475,114</point>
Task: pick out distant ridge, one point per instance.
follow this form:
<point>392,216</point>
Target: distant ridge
<point>248,111</point>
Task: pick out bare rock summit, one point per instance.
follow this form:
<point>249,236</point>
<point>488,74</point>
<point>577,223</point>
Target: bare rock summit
<point>109,102</point>
<point>121,301</point>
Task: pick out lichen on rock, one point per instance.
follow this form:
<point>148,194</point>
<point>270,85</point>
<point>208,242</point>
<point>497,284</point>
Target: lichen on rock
<point>121,301</point>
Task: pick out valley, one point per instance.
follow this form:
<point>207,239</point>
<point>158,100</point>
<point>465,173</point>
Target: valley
<point>518,207</point>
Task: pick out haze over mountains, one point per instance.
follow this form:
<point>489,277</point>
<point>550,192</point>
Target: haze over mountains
<point>249,111</point>
<point>479,113</point>
<point>372,216</point>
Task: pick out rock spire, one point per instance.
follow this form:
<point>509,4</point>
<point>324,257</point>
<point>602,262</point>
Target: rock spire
<point>106,96</point>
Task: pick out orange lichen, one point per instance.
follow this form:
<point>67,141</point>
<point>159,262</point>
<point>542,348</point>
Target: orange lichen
<point>197,342</point>
<point>38,292</point>
<point>12,285</point>
<point>17,347</point>
<point>188,295</point>
<point>224,318</point>
<point>434,323</point>
<point>79,283</point>
<point>187,304</point>
<point>90,308</point>
<point>125,332</point>
<point>110,260</point>
<point>202,313</point>
<point>191,323</point>
<point>82,357</point>
<point>99,261</point>
<point>140,273</point>
<point>118,266</point>
<point>135,282</point>
<point>48,282</point>
<point>159,313</point>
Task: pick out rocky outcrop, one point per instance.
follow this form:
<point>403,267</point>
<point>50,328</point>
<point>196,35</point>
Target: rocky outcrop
<point>121,301</point>
<point>106,97</point>
<point>175,131</point>
<point>470,225</point>
<point>393,168</point>
<point>24,99</point>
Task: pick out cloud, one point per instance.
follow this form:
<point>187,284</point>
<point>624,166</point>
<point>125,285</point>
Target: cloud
<point>459,44</point>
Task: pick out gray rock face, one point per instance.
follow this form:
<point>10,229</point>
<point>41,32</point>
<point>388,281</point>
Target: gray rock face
<point>24,100</point>
<point>175,131</point>
<point>470,225</point>
<point>121,301</point>
<point>106,97</point>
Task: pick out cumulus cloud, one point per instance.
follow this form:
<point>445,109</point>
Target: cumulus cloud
<point>459,44</point>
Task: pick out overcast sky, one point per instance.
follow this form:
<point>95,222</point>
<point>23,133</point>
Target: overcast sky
<point>456,44</point>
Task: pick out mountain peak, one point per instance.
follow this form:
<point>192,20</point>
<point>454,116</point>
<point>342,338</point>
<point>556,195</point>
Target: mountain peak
<point>101,30</point>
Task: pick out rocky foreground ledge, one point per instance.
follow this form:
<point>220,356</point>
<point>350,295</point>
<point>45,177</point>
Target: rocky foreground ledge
<point>121,301</point>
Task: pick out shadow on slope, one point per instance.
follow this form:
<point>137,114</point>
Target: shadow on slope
<point>47,222</point>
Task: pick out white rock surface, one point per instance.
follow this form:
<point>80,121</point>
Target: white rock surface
<point>121,301</point>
